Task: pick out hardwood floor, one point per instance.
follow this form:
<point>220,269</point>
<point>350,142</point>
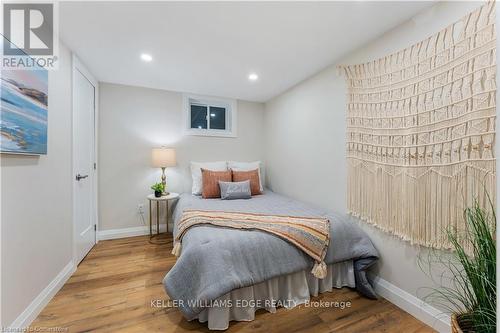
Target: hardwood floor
<point>114,286</point>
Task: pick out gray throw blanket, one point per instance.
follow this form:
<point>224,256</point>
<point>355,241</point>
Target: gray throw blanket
<point>216,260</point>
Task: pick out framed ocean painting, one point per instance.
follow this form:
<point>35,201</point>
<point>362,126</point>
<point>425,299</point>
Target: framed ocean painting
<point>24,110</point>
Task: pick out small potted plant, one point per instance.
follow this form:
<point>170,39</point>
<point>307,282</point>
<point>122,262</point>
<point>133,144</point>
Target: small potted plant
<point>158,188</point>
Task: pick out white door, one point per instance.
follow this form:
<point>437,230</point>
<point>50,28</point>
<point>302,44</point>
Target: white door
<point>83,164</point>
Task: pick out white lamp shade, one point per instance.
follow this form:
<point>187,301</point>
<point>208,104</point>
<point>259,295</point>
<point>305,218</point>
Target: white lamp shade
<point>163,157</point>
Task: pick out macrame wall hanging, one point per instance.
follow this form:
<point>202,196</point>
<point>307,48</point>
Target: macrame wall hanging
<point>421,131</point>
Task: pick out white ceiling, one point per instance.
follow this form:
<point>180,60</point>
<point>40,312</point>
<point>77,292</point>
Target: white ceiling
<point>210,47</point>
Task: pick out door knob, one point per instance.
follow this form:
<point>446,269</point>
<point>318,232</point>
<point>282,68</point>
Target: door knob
<point>80,177</point>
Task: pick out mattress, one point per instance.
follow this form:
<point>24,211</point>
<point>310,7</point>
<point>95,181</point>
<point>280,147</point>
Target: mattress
<point>217,260</point>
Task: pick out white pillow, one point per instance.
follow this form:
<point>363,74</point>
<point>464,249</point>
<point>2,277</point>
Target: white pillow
<point>196,173</point>
<point>246,166</point>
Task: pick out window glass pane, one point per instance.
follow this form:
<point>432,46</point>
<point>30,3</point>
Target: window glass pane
<point>198,116</point>
<point>217,118</point>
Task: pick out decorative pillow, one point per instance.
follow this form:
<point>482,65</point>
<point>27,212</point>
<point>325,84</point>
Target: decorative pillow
<point>211,180</point>
<point>252,176</point>
<point>236,190</point>
<point>196,173</point>
<point>247,166</point>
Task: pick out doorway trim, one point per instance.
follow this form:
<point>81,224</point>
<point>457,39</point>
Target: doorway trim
<point>77,65</point>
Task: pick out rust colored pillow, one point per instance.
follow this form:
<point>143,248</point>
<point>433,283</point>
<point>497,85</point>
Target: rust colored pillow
<point>252,176</point>
<point>210,180</point>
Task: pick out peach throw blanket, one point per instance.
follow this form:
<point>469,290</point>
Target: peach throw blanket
<point>309,234</point>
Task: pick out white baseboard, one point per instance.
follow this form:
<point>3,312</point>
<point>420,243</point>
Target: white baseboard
<point>413,305</point>
<point>127,232</point>
<point>31,312</point>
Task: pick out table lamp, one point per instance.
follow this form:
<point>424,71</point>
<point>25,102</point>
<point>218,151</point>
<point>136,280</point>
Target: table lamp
<point>163,158</point>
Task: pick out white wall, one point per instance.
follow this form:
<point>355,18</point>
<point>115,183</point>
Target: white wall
<point>133,120</point>
<point>36,201</point>
<point>305,140</point>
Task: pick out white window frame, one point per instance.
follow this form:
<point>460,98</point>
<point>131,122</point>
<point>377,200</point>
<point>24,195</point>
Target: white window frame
<point>231,115</point>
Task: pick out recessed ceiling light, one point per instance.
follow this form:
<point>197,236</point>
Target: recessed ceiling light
<point>253,77</point>
<point>146,57</point>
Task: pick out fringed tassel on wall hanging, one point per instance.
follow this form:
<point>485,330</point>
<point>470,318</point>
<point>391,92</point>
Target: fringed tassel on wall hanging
<point>421,132</point>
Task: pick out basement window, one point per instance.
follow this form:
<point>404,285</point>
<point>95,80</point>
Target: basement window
<point>209,116</point>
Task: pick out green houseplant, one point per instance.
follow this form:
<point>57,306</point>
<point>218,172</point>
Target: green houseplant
<point>470,295</point>
<point>158,188</point>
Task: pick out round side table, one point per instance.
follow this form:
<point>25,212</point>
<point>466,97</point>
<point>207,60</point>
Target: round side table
<point>153,238</point>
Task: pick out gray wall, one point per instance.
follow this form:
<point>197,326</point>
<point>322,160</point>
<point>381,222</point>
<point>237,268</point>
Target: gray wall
<point>133,120</point>
<point>36,201</point>
<point>305,140</point>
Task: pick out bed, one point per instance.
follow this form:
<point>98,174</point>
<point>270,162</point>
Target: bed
<point>219,267</point>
